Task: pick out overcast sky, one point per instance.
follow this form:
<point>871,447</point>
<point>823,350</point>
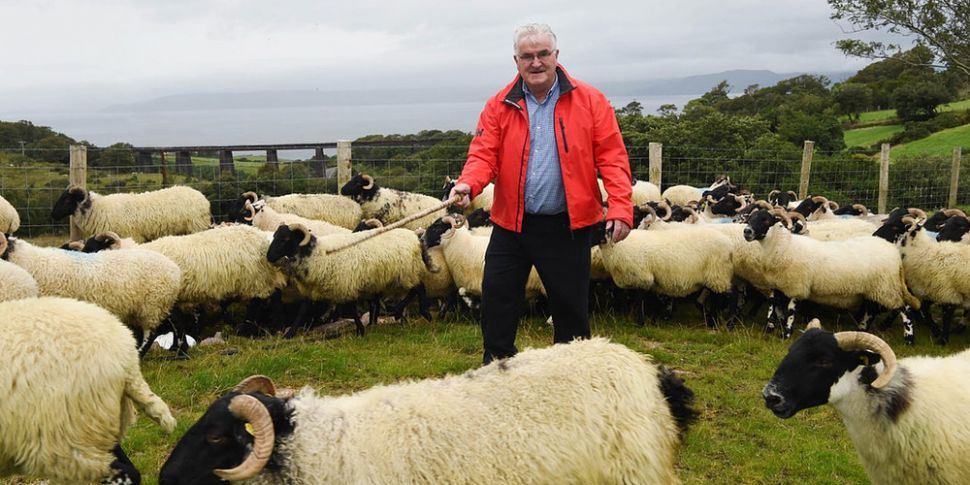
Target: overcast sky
<point>75,55</point>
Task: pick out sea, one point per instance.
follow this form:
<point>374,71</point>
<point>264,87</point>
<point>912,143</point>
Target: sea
<point>277,125</point>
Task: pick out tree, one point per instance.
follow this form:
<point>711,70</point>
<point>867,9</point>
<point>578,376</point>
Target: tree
<point>917,101</point>
<point>852,99</point>
<point>117,155</point>
<point>941,25</point>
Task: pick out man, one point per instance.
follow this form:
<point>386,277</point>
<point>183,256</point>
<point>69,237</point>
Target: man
<point>542,139</point>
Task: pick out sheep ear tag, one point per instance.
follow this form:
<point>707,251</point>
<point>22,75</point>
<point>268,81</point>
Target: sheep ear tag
<point>249,429</point>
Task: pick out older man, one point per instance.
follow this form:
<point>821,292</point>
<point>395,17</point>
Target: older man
<point>543,139</point>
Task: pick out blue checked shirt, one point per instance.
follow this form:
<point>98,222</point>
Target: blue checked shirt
<point>544,193</point>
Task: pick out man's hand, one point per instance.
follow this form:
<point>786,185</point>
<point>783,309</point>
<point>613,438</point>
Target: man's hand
<point>616,230</point>
<point>463,189</point>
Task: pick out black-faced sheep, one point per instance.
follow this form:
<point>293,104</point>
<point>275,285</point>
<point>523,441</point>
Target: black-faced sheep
<point>907,419</point>
<point>15,282</point>
<point>390,205</point>
<point>331,208</point>
<point>622,422</point>
<point>71,382</point>
<point>140,216</point>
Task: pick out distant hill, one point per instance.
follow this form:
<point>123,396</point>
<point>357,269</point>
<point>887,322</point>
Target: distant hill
<point>738,79</point>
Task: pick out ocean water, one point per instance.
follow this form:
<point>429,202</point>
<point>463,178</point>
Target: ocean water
<point>276,125</point>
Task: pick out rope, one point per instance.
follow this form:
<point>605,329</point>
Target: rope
<point>410,218</point>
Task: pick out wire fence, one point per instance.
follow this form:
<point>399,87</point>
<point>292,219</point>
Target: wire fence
<point>33,187</point>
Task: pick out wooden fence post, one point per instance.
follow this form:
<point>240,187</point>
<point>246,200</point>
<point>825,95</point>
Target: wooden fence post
<point>78,175</point>
<point>954,178</point>
<point>883,178</point>
<point>656,163</point>
<point>344,168</point>
<point>808,150</point>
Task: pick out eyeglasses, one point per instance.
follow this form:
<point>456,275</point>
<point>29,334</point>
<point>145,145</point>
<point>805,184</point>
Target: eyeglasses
<point>541,55</point>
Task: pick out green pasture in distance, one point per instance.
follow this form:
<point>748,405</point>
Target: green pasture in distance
<point>864,137</point>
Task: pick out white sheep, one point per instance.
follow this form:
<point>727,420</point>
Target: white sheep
<point>331,208</point>
<point>266,218</point>
<point>9,218</point>
<point>390,205</point>
<point>140,216</point>
<point>642,193</point>
<point>71,382</point>
<point>907,419</point>
<point>389,264</point>
<point>589,411</point>
<point>847,274</point>
<point>138,286</point>
<point>15,282</point>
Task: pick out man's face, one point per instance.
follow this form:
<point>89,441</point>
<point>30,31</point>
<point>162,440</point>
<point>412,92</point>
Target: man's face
<point>536,59</point>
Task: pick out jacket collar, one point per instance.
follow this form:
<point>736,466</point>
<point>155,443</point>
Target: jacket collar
<point>516,94</point>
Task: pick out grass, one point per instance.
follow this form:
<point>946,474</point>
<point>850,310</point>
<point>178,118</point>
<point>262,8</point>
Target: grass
<point>889,114</point>
<point>865,137</point>
<point>940,143</point>
<point>735,441</point>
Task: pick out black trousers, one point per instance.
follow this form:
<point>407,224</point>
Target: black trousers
<point>561,257</point>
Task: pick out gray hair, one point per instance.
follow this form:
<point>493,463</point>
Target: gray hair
<point>530,30</point>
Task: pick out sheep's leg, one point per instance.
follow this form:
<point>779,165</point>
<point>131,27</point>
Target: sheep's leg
<point>908,315</point>
<point>416,292</point>
<point>668,307</point>
<point>704,305</point>
<point>944,336</point>
<point>298,320</point>
<point>789,319</point>
<point>638,304</point>
<point>124,471</point>
<point>862,316</point>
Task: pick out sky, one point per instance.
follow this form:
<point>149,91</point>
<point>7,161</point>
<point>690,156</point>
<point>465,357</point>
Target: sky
<point>77,55</point>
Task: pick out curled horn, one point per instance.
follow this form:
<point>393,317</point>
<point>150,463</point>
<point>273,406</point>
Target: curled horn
<point>248,206</point>
<point>667,210</point>
<point>250,410</point>
<point>863,210</point>
<point>3,243</point>
<point>918,213</point>
<point>296,226</point>
<point>868,341</point>
<point>650,213</point>
<point>954,212</point>
<point>773,193</point>
<point>256,383</point>
<point>110,237</point>
<point>814,324</point>
<point>370,181</point>
<point>250,196</point>
<point>792,194</point>
<point>692,217</point>
<point>783,214</point>
<point>801,218</point>
<point>455,221</point>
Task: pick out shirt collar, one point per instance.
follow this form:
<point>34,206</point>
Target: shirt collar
<point>555,86</point>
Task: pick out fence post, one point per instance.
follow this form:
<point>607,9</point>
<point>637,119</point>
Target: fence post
<point>344,167</point>
<point>78,175</point>
<point>656,163</point>
<point>808,150</point>
<point>164,169</point>
<point>883,178</point>
<point>954,178</point>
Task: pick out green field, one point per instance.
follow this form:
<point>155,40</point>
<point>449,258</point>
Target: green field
<point>940,143</point>
<point>735,441</point>
<point>888,114</point>
<point>865,137</point>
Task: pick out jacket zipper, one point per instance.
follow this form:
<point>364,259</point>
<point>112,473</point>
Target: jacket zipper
<point>519,211</point>
<point>562,128</point>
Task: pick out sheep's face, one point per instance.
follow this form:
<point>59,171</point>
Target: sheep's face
<point>727,206</point>
<point>807,207</point>
<point>806,375</point>
<point>954,229</point>
<point>288,242</point>
<point>758,224</point>
<point>781,199</point>
<point>892,229</point>
<point>360,188</point>
<point>97,243</point>
<point>68,202</point>
<point>432,235</point>
<point>219,440</point>
<point>479,218</point>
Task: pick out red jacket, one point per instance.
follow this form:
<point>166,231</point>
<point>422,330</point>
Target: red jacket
<point>589,141</point>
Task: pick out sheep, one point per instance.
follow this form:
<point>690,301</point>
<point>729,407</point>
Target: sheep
<point>906,418</point>
<point>143,216</point>
<point>674,263</point>
<point>464,252</point>
<point>389,205</point>
<point>539,417</point>
<point>785,200</point>
<point>71,382</point>
<point>955,229</point>
<point>331,208</point>
<point>389,263</point>
<point>482,201</point>
<point>684,194</point>
<point>9,218</point>
<point>266,218</point>
<point>853,273</point>
<point>15,282</point>
<point>642,193</point>
<point>138,286</point>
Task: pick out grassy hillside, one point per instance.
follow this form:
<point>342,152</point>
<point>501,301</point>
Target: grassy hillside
<point>888,114</point>
<point>864,137</point>
<point>940,143</point>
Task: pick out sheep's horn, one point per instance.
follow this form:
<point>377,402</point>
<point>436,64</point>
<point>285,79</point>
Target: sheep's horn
<point>650,213</point>
<point>666,207</point>
<point>691,214</point>
<point>373,223</point>
<point>954,212</point>
<point>820,199</point>
<point>868,341</point>
<point>370,181</point>
<point>783,214</point>
<point>250,410</point>
<point>248,206</point>
<point>256,383</point>
<point>773,193</point>
<point>3,243</point>
<point>792,194</point>
<point>251,196</point>
<point>296,226</point>
<point>833,205</point>
<point>450,220</point>
<point>918,213</point>
<point>814,324</point>
<point>861,208</point>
